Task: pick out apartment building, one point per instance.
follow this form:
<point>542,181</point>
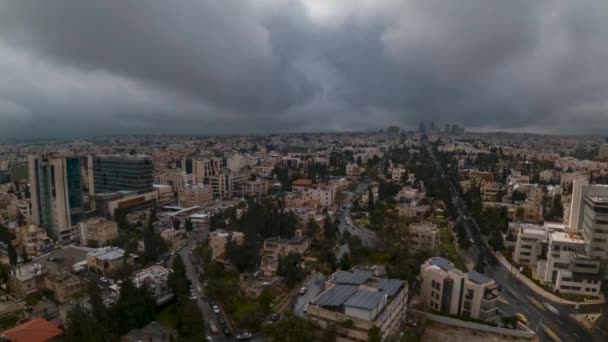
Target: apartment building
<point>97,231</point>
<point>423,235</point>
<point>224,183</point>
<point>155,279</point>
<point>105,260</point>
<point>217,242</point>
<point>205,168</point>
<point>257,187</point>
<point>447,289</point>
<point>360,298</point>
<point>65,286</point>
<point>195,195</point>
<point>177,180</point>
<point>34,239</point>
<point>26,279</point>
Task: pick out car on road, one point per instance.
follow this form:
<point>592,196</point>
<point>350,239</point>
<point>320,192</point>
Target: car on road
<point>221,321</point>
<point>303,290</point>
<point>245,335</point>
<point>411,323</point>
<point>227,331</point>
<point>275,317</point>
<point>215,309</point>
<point>305,307</point>
<point>209,339</point>
<point>520,317</point>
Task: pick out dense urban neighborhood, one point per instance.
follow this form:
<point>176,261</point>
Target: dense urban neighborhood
<point>434,234</point>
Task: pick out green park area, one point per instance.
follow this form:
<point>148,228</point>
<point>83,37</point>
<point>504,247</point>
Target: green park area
<point>19,173</point>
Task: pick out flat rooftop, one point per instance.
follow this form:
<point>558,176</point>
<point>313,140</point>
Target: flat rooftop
<point>563,237</point>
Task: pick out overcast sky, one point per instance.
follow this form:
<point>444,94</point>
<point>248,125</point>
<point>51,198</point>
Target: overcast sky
<point>77,68</point>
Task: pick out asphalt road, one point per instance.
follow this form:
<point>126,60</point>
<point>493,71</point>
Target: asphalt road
<point>514,290</point>
<point>315,286</point>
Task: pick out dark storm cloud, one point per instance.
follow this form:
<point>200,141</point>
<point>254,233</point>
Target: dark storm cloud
<point>71,67</point>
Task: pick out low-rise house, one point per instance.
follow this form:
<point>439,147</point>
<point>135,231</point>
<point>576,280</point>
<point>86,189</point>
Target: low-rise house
<point>445,288</point>
<point>366,301</point>
<point>36,330</point>
<point>297,244</point>
<point>65,287</point>
<point>26,279</point>
<point>423,235</point>
<point>218,240</point>
<point>106,259</point>
<point>97,231</point>
<point>412,210</point>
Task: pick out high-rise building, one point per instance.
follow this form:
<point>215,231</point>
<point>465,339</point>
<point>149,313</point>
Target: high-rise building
<point>56,193</point>
<point>595,226</point>
<point>121,172</point>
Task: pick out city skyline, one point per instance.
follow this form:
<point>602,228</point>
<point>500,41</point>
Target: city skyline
<point>207,68</point>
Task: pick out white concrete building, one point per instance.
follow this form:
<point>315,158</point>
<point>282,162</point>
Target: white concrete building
<point>447,289</point>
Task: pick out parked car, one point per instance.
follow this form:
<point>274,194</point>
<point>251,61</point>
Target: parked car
<point>221,321</point>
<point>227,331</point>
<point>215,309</point>
<point>275,317</point>
<point>209,339</point>
<point>245,335</point>
<point>303,290</point>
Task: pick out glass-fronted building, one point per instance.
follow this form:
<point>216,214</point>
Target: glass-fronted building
<point>122,172</point>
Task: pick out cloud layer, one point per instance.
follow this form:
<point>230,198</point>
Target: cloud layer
<point>78,68</point>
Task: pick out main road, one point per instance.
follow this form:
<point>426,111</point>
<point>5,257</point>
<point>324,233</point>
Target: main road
<point>521,298</point>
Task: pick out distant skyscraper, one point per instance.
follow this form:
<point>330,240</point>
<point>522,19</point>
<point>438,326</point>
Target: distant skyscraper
<point>56,193</point>
<point>121,172</point>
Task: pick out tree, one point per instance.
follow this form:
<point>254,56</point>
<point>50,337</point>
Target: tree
<point>290,329</point>
<point>345,263</point>
<point>134,309</point>
<point>312,228</point>
<point>12,254</point>
<point>189,227</point>
<point>374,334</point>
<point>243,255</point>
<point>289,267</point>
<point>150,248</point>
<point>82,326</point>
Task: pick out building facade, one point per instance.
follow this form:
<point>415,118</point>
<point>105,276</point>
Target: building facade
<point>121,172</point>
<point>56,193</point>
<point>447,289</point>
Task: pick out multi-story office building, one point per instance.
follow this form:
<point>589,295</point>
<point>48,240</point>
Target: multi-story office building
<point>595,229</point>
<point>120,172</point>
<point>365,301</point>
<point>567,268</point>
<point>447,289</point>
<point>56,193</point>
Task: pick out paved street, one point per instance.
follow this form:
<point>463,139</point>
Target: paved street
<point>315,286</point>
<point>514,290</point>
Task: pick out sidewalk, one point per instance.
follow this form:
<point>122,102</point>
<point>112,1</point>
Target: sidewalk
<point>532,285</point>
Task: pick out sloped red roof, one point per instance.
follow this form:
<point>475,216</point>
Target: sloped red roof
<point>302,181</point>
<point>37,330</point>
